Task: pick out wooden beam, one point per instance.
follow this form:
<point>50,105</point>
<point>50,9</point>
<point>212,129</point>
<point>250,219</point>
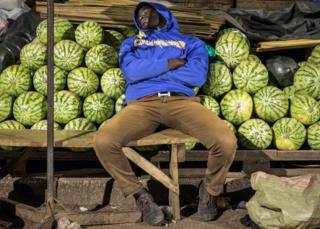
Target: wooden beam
<point>284,45</point>
<point>174,173</point>
<point>150,169</point>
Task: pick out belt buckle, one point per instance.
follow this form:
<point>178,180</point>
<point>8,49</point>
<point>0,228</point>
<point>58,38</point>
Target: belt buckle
<point>160,94</point>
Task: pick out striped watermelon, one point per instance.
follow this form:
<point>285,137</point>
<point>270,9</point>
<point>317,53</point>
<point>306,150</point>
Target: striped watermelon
<point>253,58</point>
<point>40,80</point>
<point>6,102</point>
<point>211,104</point>
<point>314,136</point>
<point>80,124</point>
<point>250,76</point>
<point>307,80</point>
<point>230,125</point>
<point>315,55</point>
<point>11,124</point>
<point>67,106</point>
<point>68,55</point>
<point>233,47</point>
<point>101,58</point>
<point>83,81</point>
<point>289,134</point>
<point>129,32</point>
<point>15,80</point>
<point>89,34</point>
<point>29,108</point>
<point>98,107</point>
<point>113,83</point>
<point>63,29</point>
<point>236,106</point>
<point>289,92</point>
<point>190,145</point>
<point>255,134</point>
<point>305,109</point>
<point>120,103</point>
<point>270,103</point>
<point>33,55</point>
<point>219,80</point>
<point>113,38</point>
<point>43,125</point>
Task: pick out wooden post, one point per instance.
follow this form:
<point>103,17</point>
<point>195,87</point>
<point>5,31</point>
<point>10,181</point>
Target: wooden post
<point>174,197</point>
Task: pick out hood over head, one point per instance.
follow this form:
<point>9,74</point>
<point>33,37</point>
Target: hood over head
<point>171,23</point>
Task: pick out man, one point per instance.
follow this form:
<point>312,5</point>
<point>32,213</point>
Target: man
<point>161,66</point>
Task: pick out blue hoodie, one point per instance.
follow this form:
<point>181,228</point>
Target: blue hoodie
<point>144,59</point>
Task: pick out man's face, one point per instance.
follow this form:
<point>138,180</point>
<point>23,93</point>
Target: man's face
<point>148,18</point>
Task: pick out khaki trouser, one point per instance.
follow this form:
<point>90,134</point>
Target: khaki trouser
<point>142,117</point>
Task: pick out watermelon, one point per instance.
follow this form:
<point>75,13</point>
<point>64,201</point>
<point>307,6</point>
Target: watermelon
<point>98,107</point>
<point>233,47</point>
<point>113,83</point>
<point>11,124</point>
<point>40,78</point>
<point>230,125</point>
<point>89,34</point>
<point>211,104</point>
<point>63,29</point>
<point>33,55</point>
<point>120,103</point>
<point>113,38</point>
<point>83,81</point>
<point>270,104</point>
<point>250,76</point>
<point>289,134</point>
<point>236,106</point>
<point>305,109</point>
<point>100,58</point>
<point>6,102</point>
<point>315,55</point>
<point>68,55</point>
<point>129,32</point>
<point>254,134</point>
<point>36,40</point>
<point>43,125</point>
<point>67,106</point>
<point>29,108</point>
<point>219,80</point>
<point>307,80</point>
<point>289,92</point>
<point>80,124</point>
<point>190,145</point>
<point>253,58</point>
<point>15,80</point>
<point>314,136</point>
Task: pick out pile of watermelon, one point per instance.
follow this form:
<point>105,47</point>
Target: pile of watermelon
<point>88,83</point>
<point>89,88</point>
<point>262,114</point>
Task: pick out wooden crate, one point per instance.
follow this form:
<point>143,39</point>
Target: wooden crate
<point>263,4</point>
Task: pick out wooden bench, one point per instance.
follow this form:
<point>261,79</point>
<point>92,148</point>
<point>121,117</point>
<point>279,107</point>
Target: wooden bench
<point>83,139</point>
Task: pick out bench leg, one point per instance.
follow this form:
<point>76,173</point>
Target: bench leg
<point>174,197</point>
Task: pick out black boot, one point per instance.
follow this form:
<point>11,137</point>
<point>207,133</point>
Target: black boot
<point>151,212</point>
<point>207,207</point>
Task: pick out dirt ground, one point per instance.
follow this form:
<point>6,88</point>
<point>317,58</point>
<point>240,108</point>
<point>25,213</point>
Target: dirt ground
<point>230,219</point>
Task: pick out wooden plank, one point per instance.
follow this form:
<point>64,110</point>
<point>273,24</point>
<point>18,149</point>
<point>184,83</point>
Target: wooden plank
<point>284,45</point>
<point>174,173</point>
<point>150,169</point>
<point>83,139</point>
<point>181,152</point>
<point>263,4</point>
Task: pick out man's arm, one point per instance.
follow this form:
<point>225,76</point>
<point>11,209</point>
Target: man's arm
<point>136,69</point>
<point>194,72</point>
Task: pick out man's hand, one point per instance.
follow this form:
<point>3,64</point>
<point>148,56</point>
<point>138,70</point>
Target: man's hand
<point>176,63</point>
